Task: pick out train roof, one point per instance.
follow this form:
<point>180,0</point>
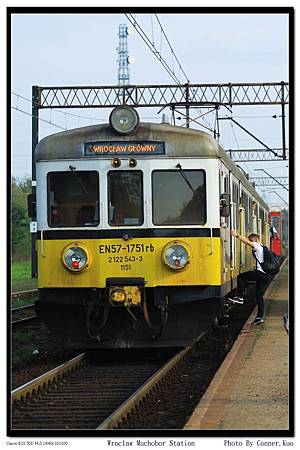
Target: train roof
<point>71,144</point>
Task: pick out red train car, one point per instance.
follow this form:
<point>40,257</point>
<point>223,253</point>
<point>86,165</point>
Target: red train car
<point>275,220</point>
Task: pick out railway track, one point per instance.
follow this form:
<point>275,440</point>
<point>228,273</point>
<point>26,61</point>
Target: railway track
<point>22,294</point>
<point>123,391</point>
<point>22,317</point>
<point>22,312</point>
<point>99,395</point>
<point>86,394</point>
<point>89,393</point>
<point>23,323</point>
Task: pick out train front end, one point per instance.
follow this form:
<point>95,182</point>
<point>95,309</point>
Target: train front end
<point>129,250</point>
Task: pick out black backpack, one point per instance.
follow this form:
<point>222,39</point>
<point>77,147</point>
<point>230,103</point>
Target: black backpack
<point>271,264</point>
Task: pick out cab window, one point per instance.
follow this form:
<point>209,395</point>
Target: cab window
<point>125,198</point>
<point>179,198</point>
<point>73,199</point>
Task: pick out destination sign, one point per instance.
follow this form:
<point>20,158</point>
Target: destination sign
<point>124,148</point>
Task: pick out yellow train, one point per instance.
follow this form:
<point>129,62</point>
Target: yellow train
<point>134,219</point>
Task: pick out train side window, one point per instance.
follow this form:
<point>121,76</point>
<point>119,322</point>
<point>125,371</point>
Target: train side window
<point>73,199</point>
<point>226,191</point>
<point>125,197</point>
<point>247,213</point>
<point>236,200</point>
<point>177,201</point>
<point>226,184</point>
<point>262,217</point>
<point>245,205</point>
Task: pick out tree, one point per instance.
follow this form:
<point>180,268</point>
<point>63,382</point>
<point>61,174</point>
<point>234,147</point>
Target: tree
<point>21,242</point>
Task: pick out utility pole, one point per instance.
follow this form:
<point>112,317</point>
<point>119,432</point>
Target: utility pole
<point>283,120</point>
<point>34,141</point>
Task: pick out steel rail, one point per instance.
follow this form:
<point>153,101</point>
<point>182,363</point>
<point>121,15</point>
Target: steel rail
<point>131,405</point>
<point>26,321</point>
<point>35,385</point>
<point>22,308</point>
<point>24,293</point>
<point>137,398</point>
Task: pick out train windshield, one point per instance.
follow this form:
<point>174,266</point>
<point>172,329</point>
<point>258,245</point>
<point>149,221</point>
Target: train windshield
<point>125,198</point>
<point>179,201</point>
<point>73,199</point>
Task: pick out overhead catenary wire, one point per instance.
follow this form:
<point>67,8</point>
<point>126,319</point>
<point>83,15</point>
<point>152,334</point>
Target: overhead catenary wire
<point>50,122</point>
<point>39,118</point>
<point>237,144</point>
<point>158,54</point>
<point>152,47</point>
<point>171,48</point>
<point>56,110</point>
<point>71,114</point>
<point>180,67</point>
<point>250,117</point>
<point>187,78</point>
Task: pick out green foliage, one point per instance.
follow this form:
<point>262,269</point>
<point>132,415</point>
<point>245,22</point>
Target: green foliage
<point>21,276</point>
<point>20,235</point>
<point>21,270</point>
<point>23,301</point>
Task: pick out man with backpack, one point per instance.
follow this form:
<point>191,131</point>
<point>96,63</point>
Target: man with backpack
<point>257,274</point>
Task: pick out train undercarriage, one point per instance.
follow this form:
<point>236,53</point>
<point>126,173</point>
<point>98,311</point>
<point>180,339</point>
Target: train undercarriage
<point>165,317</point>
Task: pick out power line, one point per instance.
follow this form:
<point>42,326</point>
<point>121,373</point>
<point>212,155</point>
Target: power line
<point>172,51</point>
<point>251,117</point>
<point>158,54</point>
<point>56,110</point>
<point>187,78</point>
<point>71,114</point>
<point>39,118</point>
<point>154,50</point>
<point>237,144</point>
<point>16,108</point>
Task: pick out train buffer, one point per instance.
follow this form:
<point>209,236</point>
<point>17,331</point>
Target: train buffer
<point>250,389</point>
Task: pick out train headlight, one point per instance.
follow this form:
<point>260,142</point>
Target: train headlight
<point>124,120</point>
<point>176,255</point>
<point>75,258</point>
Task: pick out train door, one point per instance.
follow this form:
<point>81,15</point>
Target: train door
<point>232,238</point>
<point>224,226</point>
<point>234,224</point>
<point>244,225</point>
<point>243,233</point>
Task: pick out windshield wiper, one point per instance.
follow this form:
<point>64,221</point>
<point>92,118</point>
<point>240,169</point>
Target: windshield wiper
<point>181,171</point>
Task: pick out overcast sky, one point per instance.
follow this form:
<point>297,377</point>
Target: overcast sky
<point>77,49</point>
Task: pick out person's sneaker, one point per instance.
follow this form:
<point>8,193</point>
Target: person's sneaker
<point>238,300</point>
<point>258,320</point>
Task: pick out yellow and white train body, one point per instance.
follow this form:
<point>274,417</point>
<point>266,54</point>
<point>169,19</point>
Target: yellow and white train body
<point>134,245</point>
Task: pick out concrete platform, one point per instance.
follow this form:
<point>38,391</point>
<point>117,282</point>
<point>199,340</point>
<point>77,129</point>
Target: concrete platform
<point>250,389</point>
